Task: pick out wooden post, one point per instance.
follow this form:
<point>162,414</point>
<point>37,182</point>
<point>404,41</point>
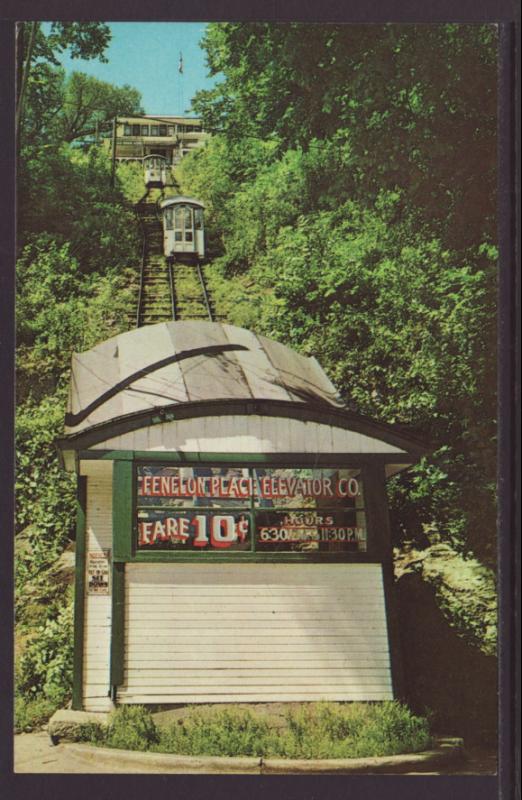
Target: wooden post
<point>23,74</point>
<point>79,594</point>
<point>113,165</point>
<point>122,520</point>
<point>380,546</point>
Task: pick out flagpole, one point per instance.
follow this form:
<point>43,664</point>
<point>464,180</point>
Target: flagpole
<point>180,70</point>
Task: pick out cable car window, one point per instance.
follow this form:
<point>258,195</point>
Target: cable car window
<point>169,219</point>
<point>171,130</point>
<point>198,219</point>
<point>188,217</point>
<point>144,130</point>
<point>178,236</point>
<point>188,236</point>
<point>127,130</point>
<point>162,130</point>
<point>154,130</point>
<point>179,216</point>
<point>136,130</point>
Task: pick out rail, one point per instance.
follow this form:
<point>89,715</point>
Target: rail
<point>175,290</point>
<point>143,252</point>
<point>172,292</point>
<point>204,289</point>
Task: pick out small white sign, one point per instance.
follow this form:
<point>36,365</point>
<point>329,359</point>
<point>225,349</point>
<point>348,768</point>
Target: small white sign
<point>98,573</point>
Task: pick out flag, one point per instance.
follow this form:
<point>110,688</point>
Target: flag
<point>180,65</point>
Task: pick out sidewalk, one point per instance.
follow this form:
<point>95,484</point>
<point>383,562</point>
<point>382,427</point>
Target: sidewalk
<point>34,754</point>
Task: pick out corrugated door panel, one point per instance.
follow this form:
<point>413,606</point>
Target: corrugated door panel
<point>255,632</point>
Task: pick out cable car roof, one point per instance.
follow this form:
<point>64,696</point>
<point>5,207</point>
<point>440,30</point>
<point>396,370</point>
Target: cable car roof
<point>180,200</point>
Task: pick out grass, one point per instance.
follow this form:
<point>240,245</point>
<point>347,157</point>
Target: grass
<point>31,714</point>
<point>315,730</point>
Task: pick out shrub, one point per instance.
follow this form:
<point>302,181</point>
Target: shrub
<point>30,714</point>
<point>318,730</point>
<point>45,668</point>
<point>131,728</point>
<point>228,733</point>
<point>130,178</point>
<point>92,732</point>
<point>353,730</point>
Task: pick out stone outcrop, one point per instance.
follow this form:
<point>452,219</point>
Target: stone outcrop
<point>446,609</point>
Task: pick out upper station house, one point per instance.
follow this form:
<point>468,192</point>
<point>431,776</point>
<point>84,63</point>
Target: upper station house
<point>171,137</point>
<point>233,542</point>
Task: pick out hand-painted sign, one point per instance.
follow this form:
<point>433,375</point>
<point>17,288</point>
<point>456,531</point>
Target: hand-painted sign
<point>170,482</point>
<point>193,531</point>
<point>246,509</point>
<point>98,574</point>
<point>310,531</point>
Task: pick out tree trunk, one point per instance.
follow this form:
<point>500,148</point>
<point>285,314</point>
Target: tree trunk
<point>23,74</point>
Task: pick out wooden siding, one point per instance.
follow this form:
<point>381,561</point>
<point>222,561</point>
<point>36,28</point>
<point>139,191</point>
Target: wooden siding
<point>254,633</point>
<point>97,611</point>
<point>247,434</point>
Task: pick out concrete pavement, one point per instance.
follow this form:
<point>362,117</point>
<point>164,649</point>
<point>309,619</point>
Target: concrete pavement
<point>34,753</point>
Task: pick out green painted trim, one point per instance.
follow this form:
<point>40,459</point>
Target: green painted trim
<point>79,593</point>
<point>118,625</point>
<point>122,455</point>
<point>307,412</point>
<point>254,509</point>
<point>122,510</point>
<point>252,459</point>
<point>246,556</point>
<point>379,543</point>
<point>392,622</point>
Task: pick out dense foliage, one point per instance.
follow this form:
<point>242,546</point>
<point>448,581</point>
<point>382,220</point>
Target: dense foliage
<point>351,195</point>
<point>78,246</point>
<point>39,80</point>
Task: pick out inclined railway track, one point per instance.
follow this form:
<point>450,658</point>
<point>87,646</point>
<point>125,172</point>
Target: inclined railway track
<point>176,291</point>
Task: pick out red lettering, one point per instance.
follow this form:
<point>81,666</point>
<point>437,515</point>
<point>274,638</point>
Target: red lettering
<point>145,529</point>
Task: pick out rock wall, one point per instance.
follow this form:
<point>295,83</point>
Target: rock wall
<point>445,670</point>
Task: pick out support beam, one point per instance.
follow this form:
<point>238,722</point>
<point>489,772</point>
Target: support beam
<point>79,594</point>
<point>380,547</point>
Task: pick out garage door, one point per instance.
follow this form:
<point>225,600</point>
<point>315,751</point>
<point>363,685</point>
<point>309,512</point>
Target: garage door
<point>255,633</point>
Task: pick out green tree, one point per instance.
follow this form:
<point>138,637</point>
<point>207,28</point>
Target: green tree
<point>89,104</point>
<point>355,206</point>
<point>36,54</point>
<point>416,106</point>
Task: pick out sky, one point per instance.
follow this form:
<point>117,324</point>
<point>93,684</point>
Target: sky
<point>145,55</point>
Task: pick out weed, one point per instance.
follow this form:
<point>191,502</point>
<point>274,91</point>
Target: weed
<point>31,714</point>
<point>316,730</point>
<point>131,728</point>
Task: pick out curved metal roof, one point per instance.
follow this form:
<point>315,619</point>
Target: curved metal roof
<point>179,363</point>
<point>171,201</point>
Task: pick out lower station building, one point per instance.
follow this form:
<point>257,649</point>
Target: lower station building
<point>233,542</point>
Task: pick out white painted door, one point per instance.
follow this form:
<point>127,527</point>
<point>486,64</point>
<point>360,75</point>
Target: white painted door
<point>254,632</point>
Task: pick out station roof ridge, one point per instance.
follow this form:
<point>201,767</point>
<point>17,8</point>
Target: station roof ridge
<point>196,368</point>
<point>185,362</point>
